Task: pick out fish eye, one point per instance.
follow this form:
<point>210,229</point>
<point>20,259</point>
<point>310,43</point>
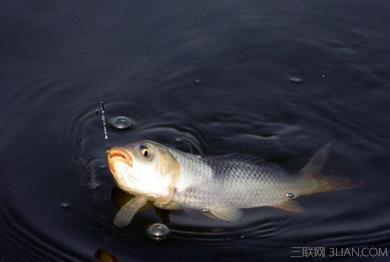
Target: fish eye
<point>144,151</point>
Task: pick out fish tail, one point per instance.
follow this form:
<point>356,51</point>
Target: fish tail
<point>316,163</point>
<point>315,183</point>
<point>333,183</point>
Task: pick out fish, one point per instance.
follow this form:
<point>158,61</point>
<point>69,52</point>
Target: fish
<point>218,186</point>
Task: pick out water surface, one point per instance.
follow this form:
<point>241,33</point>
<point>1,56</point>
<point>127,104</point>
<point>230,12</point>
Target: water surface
<point>278,79</point>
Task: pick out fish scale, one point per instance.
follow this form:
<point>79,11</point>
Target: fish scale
<point>231,181</point>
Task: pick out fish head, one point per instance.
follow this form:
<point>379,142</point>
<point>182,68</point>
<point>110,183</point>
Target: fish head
<point>144,168</point>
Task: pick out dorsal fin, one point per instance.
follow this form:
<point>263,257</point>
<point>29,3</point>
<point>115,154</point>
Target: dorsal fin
<point>316,162</point>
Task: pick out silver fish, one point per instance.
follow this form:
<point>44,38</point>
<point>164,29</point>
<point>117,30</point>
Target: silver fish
<point>219,186</point>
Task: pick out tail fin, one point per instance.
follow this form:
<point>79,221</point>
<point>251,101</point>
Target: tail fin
<point>319,183</point>
<point>333,183</point>
<point>316,162</point>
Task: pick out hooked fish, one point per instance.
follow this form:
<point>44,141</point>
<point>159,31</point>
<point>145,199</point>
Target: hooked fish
<point>220,186</point>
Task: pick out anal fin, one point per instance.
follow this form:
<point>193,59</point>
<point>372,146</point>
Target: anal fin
<point>223,213</point>
<point>290,206</point>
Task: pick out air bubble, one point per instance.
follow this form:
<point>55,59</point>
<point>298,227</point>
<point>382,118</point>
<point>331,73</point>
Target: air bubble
<point>178,140</point>
<point>290,195</point>
<point>295,79</point>
<point>157,231</point>
<point>121,122</point>
<point>65,205</point>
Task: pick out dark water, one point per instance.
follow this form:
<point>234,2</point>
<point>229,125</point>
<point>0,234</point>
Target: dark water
<point>277,79</point>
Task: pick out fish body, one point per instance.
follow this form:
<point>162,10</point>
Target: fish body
<point>221,185</point>
<point>232,181</point>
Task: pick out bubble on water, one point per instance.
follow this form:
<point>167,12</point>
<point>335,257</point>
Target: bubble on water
<point>65,205</point>
<point>295,79</point>
<point>121,122</point>
<point>290,195</point>
<point>197,81</point>
<point>157,231</point>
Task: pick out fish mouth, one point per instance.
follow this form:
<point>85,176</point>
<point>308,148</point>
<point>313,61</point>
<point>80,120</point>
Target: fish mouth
<point>118,154</point>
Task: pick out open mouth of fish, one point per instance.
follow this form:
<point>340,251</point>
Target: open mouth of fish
<point>116,156</point>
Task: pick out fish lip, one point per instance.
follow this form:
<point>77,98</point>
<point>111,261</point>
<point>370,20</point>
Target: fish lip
<point>118,154</point>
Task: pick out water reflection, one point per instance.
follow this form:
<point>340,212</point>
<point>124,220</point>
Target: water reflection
<point>103,255</point>
<point>213,75</point>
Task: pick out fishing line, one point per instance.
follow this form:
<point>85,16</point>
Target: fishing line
<point>103,118</point>
<point>95,165</point>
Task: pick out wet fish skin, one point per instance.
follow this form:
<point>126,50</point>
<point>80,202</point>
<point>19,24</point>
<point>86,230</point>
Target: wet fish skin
<point>222,185</point>
<point>234,181</point>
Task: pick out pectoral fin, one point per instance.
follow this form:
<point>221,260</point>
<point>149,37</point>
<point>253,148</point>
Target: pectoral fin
<point>223,213</point>
<point>290,206</point>
<point>170,206</point>
<point>124,216</point>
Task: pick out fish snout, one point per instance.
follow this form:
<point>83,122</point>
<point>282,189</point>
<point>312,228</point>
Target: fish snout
<point>118,154</point>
